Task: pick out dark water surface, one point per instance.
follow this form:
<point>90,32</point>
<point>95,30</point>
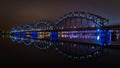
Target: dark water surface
<point>57,54</point>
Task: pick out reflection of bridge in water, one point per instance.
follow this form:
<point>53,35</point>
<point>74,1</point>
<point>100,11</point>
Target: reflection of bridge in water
<point>74,26</point>
<point>71,50</point>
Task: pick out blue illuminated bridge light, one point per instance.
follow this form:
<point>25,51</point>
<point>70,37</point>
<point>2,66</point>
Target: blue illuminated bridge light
<point>34,35</point>
<point>73,26</point>
<point>102,36</point>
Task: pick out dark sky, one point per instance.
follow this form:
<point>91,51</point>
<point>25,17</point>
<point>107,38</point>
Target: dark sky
<point>21,12</point>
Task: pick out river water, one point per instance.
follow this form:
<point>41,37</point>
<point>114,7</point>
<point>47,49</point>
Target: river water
<point>19,51</point>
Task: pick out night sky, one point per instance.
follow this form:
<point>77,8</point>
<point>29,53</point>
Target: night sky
<point>22,12</point>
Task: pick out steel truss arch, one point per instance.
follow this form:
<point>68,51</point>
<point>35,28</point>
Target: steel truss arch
<point>96,19</point>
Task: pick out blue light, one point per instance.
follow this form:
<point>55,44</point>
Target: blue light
<point>53,36</point>
<point>34,35</point>
<point>74,35</point>
<point>17,34</point>
<point>23,34</point>
<point>98,37</point>
<point>105,37</point>
<point>98,30</point>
